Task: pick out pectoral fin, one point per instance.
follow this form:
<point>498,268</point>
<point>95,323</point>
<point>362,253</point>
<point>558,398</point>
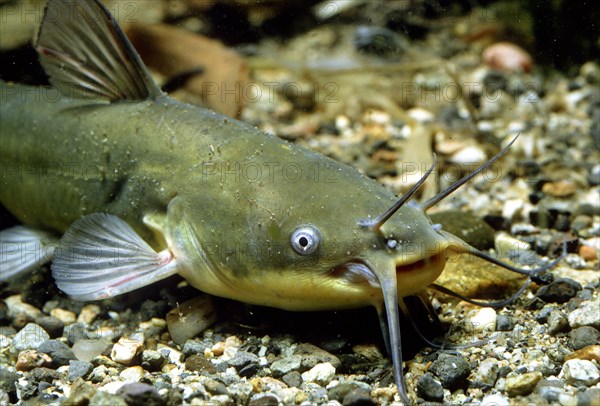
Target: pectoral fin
<point>23,249</point>
<point>101,256</point>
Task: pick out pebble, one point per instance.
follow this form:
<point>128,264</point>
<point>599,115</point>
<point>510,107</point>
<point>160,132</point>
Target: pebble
<point>508,57</point>
<point>293,379</point>
<point>430,389</point>
<point>559,291</point>
<point>191,318</point>
<point>580,372</point>
<point>451,369</point>
<point>487,372</point>
<point>586,315</point>
<point>495,399</point>
<point>16,306</point>
<point>321,374</point>
<point>313,355</point>
<point>60,353</point>
<point>563,188</point>
<point>79,369</point>
<point>152,360</point>
<point>522,385</point>
<point>591,353</point>
<point>88,314</point>
<point>557,322</point>
<point>588,253</point>
<point>583,336</point>
<point>504,323</point>
<point>66,316</point>
<point>140,394</point>
<point>53,326</point>
<point>88,349</point>
<point>505,243</point>
<point>286,365</point>
<point>132,374</point>
<point>358,397</point>
<point>28,338</point>
<point>198,363</point>
<point>127,351</point>
<point>469,157</point>
<point>30,359</point>
<point>483,319</point>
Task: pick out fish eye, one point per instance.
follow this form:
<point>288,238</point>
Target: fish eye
<point>305,240</point>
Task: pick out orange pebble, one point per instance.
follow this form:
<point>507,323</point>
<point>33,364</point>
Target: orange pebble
<point>507,56</point>
<point>588,253</point>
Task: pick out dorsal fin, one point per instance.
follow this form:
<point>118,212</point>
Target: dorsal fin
<point>87,56</point>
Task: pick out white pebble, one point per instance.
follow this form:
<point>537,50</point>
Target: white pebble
<point>88,349</point>
<point>469,156</point>
<point>321,374</point>
<point>586,315</point>
<point>580,371</point>
<point>496,400</point>
<point>479,320</point>
<point>487,372</point>
<point>132,374</point>
<point>125,351</point>
<point>505,243</point>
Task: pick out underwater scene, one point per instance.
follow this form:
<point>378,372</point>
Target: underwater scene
<point>326,202</point>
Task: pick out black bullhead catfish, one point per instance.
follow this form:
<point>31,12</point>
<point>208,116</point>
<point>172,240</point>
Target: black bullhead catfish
<point>141,187</point>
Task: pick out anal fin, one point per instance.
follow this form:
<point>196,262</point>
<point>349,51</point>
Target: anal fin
<point>23,249</point>
<point>101,256</point>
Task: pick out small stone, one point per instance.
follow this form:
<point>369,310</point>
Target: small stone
<point>79,369</point>
<point>74,332</point>
<point>140,394</point>
<point>590,397</point>
<point>590,353</point>
<point>430,389</point>
<point>508,57</point>
<point>559,291</point>
<point>358,397</point>
<point>286,365</point>
<point>563,188</point>
<point>313,355</point>
<point>292,379</point>
<point>584,336</point>
<point>550,389</point>
<point>469,157</point>
<point>28,338</point>
<point>483,319</point>
<point>580,372</point>
<point>522,385</point>
<point>16,306</point>
<point>87,350</point>
<point>504,323</point>
<point>30,359</point>
<point>53,326</point>
<point>126,351</point>
<point>242,359</point>
<point>264,399</point>
<point>132,374</point>
<point>451,369</point>
<point>198,363</point>
<point>495,399</point>
<point>557,322</point>
<point>66,316</point>
<point>60,353</point>
<point>588,253</point>
<point>321,374</point>
<point>88,314</point>
<point>152,360</point>
<point>487,372</point>
<point>8,379</point>
<point>586,315</point>
<point>215,387</point>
